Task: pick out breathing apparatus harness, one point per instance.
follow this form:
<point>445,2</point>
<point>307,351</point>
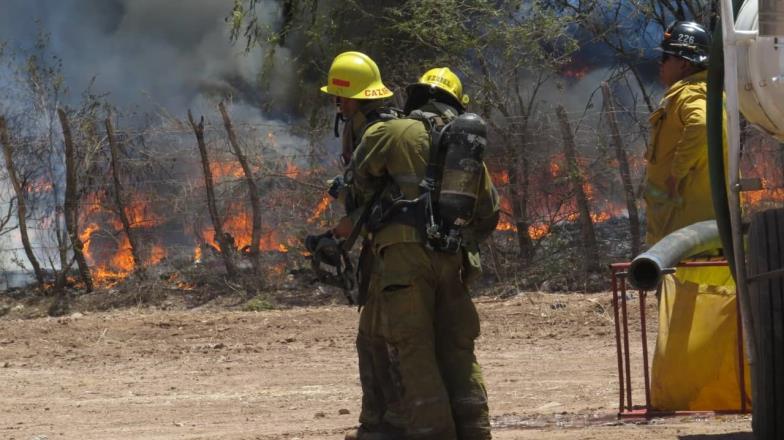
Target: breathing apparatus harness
<point>449,190</point>
<point>330,259</point>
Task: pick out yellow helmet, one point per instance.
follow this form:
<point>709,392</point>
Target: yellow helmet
<point>443,78</point>
<point>355,75</point>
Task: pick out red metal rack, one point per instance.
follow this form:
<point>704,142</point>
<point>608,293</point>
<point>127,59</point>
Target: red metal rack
<point>626,406</point>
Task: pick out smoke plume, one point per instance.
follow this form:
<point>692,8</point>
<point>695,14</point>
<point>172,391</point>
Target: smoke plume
<point>145,53</point>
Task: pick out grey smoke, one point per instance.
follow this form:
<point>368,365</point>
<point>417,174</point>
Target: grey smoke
<point>146,53</point>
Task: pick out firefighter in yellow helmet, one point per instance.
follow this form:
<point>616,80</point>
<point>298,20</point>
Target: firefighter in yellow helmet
<point>355,81</point>
<point>441,81</point>
<point>419,302</point>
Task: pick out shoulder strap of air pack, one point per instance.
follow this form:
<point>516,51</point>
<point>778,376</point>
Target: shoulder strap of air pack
<point>377,115</point>
<point>436,124</point>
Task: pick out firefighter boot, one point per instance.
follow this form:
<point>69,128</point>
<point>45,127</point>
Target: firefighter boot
<point>374,433</point>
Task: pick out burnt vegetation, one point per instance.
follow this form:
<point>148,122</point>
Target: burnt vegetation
<point>198,207</point>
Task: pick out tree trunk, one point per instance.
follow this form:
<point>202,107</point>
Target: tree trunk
<point>21,203</point>
<point>225,242</point>
<point>71,206</point>
<point>61,234</point>
<point>623,168</point>
<point>576,178</point>
<point>118,197</point>
<point>253,191</point>
<point>518,194</point>
<point>494,255</point>
<point>520,185</point>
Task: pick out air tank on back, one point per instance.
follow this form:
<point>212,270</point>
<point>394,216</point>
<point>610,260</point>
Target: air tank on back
<point>464,141</point>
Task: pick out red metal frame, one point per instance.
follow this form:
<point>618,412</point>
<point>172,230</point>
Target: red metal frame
<point>626,406</point>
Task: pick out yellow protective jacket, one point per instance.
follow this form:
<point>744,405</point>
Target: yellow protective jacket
<point>678,148</point>
<point>696,360</point>
<point>395,153</point>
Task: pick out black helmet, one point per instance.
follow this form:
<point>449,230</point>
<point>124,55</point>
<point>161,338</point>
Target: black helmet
<point>687,40</point>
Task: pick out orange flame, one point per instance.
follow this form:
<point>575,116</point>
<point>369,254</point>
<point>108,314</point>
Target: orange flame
<point>505,225</point>
<point>588,190</point>
<point>500,178</point>
<point>322,206</point>
<point>291,170</point>
<point>100,273</point>
<point>113,264</point>
<point>140,214</point>
<point>555,169</point>
<point>105,277</point>
<point>239,226</point>
<point>768,195</point>
<point>601,217</point>
<point>123,258</point>
<point>157,254</point>
<point>86,237</point>
<point>92,203</point>
<point>270,242</point>
<point>575,72</point>
<point>221,170</point>
<point>538,231</point>
<point>41,186</point>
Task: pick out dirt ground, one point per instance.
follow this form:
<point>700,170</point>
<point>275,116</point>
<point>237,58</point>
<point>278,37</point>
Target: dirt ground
<point>212,373</point>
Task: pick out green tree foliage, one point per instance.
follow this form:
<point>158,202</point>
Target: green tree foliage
<point>505,51</point>
<point>406,38</point>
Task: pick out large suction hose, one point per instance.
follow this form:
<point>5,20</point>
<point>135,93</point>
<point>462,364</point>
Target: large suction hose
<point>648,268</point>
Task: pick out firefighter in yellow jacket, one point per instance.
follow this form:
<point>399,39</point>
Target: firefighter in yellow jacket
<point>695,363</point>
<point>420,302</point>
<point>677,185</point>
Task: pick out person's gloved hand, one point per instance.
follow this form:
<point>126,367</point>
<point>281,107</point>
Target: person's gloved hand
<point>336,185</point>
<point>312,241</point>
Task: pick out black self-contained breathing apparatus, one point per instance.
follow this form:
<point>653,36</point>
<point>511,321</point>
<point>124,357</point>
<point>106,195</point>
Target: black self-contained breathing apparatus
<point>452,179</point>
<point>450,188</point>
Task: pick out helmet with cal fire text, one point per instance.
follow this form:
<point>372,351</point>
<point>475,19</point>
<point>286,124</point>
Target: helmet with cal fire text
<point>355,75</point>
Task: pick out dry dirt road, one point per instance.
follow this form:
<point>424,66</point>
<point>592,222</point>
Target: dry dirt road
<point>549,361</point>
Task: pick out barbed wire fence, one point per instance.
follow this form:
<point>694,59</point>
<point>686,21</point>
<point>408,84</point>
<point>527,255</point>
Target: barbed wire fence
<point>163,180</point>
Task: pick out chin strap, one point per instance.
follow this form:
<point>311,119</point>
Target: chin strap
<point>338,118</point>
